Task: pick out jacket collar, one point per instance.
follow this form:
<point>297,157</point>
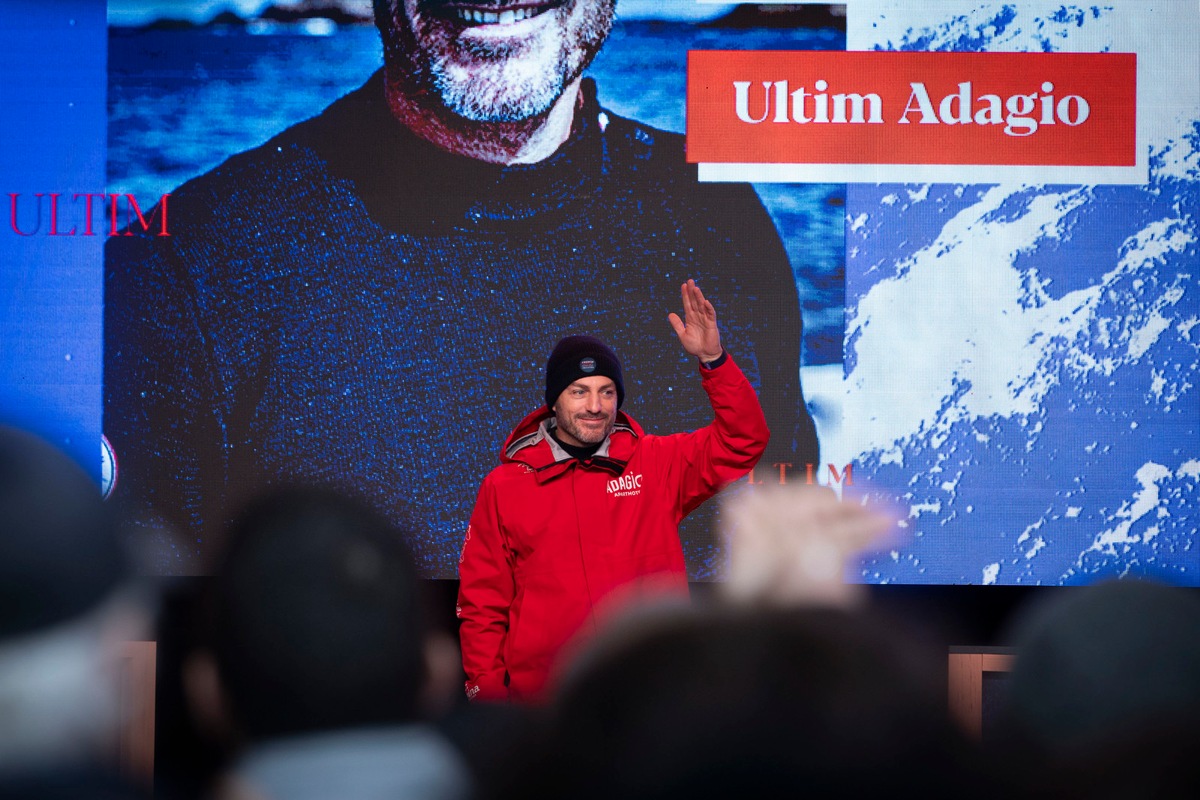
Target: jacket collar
<point>531,444</point>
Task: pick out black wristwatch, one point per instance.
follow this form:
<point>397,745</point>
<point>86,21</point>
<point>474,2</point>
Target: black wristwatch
<point>716,362</point>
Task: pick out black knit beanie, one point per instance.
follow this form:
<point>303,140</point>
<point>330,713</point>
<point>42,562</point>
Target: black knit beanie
<point>576,357</point>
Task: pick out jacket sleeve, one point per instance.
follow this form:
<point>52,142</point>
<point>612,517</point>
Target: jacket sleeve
<point>485,595</point>
<point>727,448</point>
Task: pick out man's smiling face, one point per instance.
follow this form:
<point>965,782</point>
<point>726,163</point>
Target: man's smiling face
<point>493,60</point>
<point>586,411</point>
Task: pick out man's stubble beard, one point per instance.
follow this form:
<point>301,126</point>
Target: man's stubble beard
<point>567,423</point>
<point>503,89</point>
<point>483,81</point>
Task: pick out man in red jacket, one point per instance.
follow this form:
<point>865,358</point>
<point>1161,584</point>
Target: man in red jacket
<point>584,504</point>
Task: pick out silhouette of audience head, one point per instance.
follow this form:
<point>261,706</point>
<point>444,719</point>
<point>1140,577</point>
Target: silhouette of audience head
<point>315,618</point>
<point>65,608</point>
<point>317,668</point>
<point>60,555</point>
<point>1104,695</point>
<point>731,703</point>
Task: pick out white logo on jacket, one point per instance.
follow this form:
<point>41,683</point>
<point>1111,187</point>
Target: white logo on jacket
<point>626,485</point>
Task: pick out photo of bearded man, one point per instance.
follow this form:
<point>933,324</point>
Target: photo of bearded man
<point>358,300</point>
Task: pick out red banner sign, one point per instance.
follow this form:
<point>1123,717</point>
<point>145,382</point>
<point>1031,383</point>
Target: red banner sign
<point>819,107</point>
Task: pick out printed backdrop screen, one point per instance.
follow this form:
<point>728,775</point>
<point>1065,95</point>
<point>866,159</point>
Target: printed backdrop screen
<point>954,243</point>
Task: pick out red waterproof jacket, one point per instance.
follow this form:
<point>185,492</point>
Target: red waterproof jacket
<point>552,536</point>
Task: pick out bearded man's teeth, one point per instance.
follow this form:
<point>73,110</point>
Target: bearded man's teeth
<point>506,17</point>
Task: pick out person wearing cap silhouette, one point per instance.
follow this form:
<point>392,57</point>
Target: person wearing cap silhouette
<point>583,511</point>
<point>69,599</point>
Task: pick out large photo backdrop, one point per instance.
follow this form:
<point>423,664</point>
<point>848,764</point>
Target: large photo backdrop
<point>1006,353</point>
<point>338,301</point>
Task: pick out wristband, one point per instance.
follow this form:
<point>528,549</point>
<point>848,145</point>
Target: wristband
<point>716,362</point>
